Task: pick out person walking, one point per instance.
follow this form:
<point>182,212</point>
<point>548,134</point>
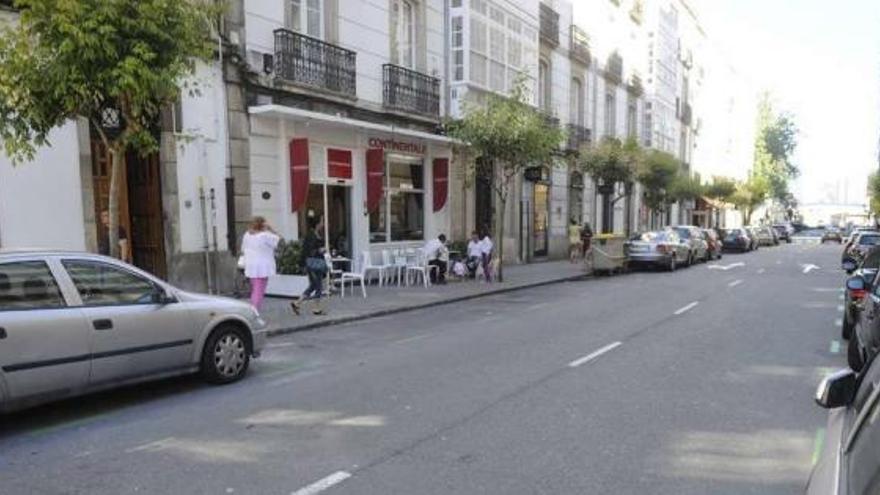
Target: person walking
<point>258,247</point>
<point>486,248</point>
<point>575,242</point>
<point>586,238</point>
<point>315,265</point>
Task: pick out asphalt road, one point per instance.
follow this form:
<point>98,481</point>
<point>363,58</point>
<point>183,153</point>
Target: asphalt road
<point>694,382</point>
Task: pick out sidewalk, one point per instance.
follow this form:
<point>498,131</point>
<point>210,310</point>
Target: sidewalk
<point>386,300</point>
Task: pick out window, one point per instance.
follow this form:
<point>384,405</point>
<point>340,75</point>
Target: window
<point>610,114</point>
<point>458,48</point>
<point>631,118</point>
<point>306,17</point>
<point>544,82</point>
<point>401,215</point>
<point>100,284</point>
<point>28,285</point>
<point>576,102</point>
<point>403,32</point>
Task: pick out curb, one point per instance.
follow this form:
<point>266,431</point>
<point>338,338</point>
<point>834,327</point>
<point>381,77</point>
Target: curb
<point>404,309</point>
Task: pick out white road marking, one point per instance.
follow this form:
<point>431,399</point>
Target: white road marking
<point>761,270</point>
<point>809,267</point>
<point>835,347</point>
<point>589,357</point>
<point>734,283</point>
<point>725,267</point>
<point>841,297</point>
<point>838,322</point>
<point>840,309</point>
<point>687,308</point>
<point>323,484</point>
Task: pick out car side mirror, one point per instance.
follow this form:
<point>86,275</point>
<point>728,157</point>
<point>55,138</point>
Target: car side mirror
<point>161,296</point>
<point>849,265</point>
<point>837,389</point>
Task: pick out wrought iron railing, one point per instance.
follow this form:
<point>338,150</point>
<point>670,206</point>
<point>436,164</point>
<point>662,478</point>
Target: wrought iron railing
<point>410,91</point>
<point>614,68</point>
<point>580,45</point>
<point>549,25</point>
<point>578,137</point>
<point>310,62</point>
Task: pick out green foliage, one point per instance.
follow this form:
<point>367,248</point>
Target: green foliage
<point>721,188</point>
<point>68,59</point>
<point>874,193</point>
<point>656,173</point>
<point>612,161</point>
<point>749,195</point>
<point>685,187</point>
<point>288,258</point>
<point>510,134</point>
<point>775,143</point>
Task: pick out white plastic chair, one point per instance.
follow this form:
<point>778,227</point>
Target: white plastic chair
<point>392,269</point>
<point>367,266</point>
<point>359,276</point>
<point>420,268</point>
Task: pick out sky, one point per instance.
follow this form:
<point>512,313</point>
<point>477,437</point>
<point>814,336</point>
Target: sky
<point>820,60</point>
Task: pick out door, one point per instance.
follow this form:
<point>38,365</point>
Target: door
<point>145,210</point>
<point>44,342</point>
<point>541,225</point>
<point>483,195</point>
<point>132,336</point>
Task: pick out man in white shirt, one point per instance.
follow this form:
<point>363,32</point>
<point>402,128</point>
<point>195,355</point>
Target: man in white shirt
<point>474,254</point>
<point>438,255</point>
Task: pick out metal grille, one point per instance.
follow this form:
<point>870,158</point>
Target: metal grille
<point>410,91</point>
<point>578,136</point>
<point>549,25</point>
<point>307,61</point>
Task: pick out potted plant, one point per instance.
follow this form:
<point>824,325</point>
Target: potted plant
<point>291,280</point>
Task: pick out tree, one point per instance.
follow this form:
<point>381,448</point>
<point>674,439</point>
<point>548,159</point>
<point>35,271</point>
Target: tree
<point>510,134</point>
<point>749,195</point>
<point>721,188</point>
<point>656,174</point>
<point>117,63</point>
<point>874,193</point>
<point>610,163</point>
<point>775,143</point>
<point>685,188</point>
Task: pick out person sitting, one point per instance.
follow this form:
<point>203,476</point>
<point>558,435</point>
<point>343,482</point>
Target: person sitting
<point>474,254</point>
<point>438,255</point>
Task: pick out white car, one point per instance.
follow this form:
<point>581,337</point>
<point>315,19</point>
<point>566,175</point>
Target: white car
<point>73,323</point>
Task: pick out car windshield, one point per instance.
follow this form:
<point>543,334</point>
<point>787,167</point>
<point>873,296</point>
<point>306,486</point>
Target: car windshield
<point>734,233</point>
<point>683,233</point>
<point>869,240</point>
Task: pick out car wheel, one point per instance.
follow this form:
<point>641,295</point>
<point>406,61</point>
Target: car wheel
<point>846,328</point>
<point>226,355</point>
<point>854,354</point>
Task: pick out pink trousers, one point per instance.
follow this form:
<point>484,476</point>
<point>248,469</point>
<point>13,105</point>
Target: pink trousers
<point>258,291</point>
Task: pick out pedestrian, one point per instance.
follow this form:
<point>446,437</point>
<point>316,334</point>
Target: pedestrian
<point>437,255</point>
<point>315,265</point>
<point>258,248</point>
<point>486,249</point>
<point>104,239</point>
<point>586,238</point>
<point>575,243</point>
<point>474,255</point>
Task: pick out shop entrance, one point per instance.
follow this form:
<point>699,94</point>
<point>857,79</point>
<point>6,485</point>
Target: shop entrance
<point>338,217</point>
<point>541,219</point>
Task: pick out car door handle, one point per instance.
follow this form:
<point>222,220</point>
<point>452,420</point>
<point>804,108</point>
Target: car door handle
<point>2,333</point>
<point>103,324</point>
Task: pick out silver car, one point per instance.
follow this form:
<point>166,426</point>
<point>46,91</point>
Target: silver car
<point>662,248</point>
<point>73,323</point>
<point>693,238</point>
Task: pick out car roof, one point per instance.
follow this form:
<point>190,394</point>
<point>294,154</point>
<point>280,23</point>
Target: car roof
<point>17,253</point>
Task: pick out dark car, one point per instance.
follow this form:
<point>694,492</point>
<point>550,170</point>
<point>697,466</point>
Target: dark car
<point>849,460</point>
<point>832,235</point>
<point>783,233</point>
<point>864,341</point>
<point>855,298</point>
<point>861,244</point>
<point>736,240</point>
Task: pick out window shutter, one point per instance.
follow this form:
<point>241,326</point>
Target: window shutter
<point>375,178</point>
<point>299,173</point>
<point>441,182</point>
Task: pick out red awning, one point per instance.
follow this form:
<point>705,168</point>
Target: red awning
<point>338,164</point>
<point>441,182</point>
<point>299,173</point>
<point>375,178</point>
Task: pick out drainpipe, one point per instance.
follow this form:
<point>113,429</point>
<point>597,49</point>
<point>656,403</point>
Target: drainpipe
<point>206,246</point>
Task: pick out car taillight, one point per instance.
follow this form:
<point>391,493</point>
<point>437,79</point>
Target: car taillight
<point>858,294</point>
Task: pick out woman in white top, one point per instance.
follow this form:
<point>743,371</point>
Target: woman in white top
<point>487,246</point>
<point>258,246</point>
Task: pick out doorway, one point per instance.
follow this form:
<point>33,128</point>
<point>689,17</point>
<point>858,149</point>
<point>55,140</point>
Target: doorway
<point>541,223</point>
<point>338,218</point>
<point>484,203</point>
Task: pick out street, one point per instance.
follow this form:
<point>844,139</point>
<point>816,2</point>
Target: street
<point>694,382</point>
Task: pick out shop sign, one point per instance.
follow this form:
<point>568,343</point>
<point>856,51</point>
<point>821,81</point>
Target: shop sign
<point>393,145</point>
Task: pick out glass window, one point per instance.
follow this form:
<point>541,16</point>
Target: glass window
<point>403,18</point>
<point>577,103</point>
<point>28,285</point>
<point>401,214</point>
<point>864,455</point>
<point>100,284</point>
<point>478,68</point>
<point>306,17</point>
<point>610,115</point>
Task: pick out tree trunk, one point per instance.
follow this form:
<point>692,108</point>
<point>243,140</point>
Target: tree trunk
<point>116,163</point>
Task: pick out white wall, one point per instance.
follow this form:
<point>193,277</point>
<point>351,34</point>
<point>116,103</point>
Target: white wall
<point>201,159</point>
<point>41,201</point>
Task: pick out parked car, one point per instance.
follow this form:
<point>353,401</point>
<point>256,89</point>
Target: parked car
<point>736,240</point>
<point>854,299</point>
<point>783,232</point>
<point>660,248</point>
<point>832,235</point>
<point>864,341</point>
<point>862,243</point>
<point>73,323</point>
<point>693,237</point>
<point>764,236</point>
<point>849,460</point>
<point>753,235</point>
<point>714,244</point>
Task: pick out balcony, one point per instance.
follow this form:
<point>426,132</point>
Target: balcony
<point>410,91</point>
<point>549,26</point>
<point>580,46</point>
<point>614,69</point>
<point>311,63</point>
<point>578,137</point>
<point>635,86</point>
<point>687,114</point>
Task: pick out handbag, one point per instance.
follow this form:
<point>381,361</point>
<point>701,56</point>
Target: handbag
<point>317,265</point>
<point>241,262</point>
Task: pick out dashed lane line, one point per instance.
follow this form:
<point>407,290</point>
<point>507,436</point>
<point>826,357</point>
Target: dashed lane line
<point>687,308</point>
<point>734,283</point>
<point>323,484</point>
<point>594,355</point>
